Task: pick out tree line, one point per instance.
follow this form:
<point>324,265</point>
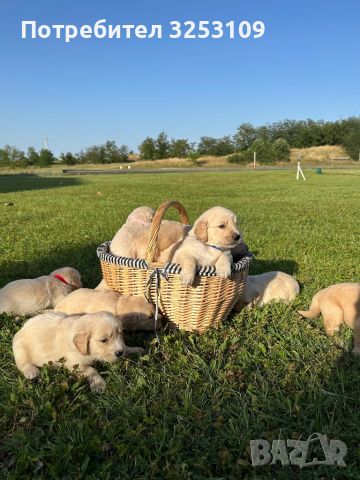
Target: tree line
<point>271,142</point>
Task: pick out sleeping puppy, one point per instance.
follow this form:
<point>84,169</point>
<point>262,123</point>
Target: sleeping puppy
<point>29,297</point>
<point>134,311</point>
<point>132,238</point>
<point>80,340</point>
<point>338,304</point>
<point>208,243</point>
<point>267,287</point>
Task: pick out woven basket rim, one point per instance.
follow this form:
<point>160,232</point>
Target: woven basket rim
<point>103,253</point>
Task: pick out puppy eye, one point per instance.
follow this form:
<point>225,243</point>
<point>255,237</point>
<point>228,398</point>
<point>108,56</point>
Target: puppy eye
<point>104,340</point>
<point>221,226</point>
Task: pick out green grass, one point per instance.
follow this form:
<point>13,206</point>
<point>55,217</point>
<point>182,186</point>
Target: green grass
<point>189,408</point>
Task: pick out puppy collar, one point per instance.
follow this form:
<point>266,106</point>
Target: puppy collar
<point>61,278</point>
<point>217,248</point>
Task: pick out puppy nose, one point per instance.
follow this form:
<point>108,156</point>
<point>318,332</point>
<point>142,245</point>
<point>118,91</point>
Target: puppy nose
<point>237,236</point>
<point>118,353</point>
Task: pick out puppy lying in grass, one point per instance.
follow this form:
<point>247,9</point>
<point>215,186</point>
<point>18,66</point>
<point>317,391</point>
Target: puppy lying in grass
<point>208,243</point>
<point>80,340</point>
<point>135,312</point>
<point>31,296</point>
<point>338,304</point>
<point>267,287</point>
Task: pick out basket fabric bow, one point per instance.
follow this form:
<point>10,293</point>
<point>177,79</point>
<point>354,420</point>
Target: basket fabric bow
<point>155,276</point>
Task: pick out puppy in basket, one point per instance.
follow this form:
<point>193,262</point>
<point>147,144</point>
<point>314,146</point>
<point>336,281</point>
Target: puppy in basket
<point>131,240</point>
<point>30,296</point>
<point>209,243</point>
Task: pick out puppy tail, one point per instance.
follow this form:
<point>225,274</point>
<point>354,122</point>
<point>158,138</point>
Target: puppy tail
<point>313,311</point>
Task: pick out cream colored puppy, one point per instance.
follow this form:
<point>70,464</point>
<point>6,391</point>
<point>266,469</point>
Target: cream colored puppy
<point>125,242</point>
<point>338,304</point>
<point>208,243</point>
<point>132,238</point>
<point>80,340</point>
<point>31,296</point>
<point>268,287</point>
<point>134,311</point>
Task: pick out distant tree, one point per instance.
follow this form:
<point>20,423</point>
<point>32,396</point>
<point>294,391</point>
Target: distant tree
<point>110,152</point>
<point>123,153</point>
<point>352,143</point>
<point>207,146</point>
<point>68,158</point>
<point>12,157</point>
<point>215,146</point>
<point>281,150</point>
<point>46,158</point>
<point>32,156</point>
<point>245,136</point>
<point>263,150</point>
<point>147,149</point>
<point>162,146</point>
<point>4,157</point>
<point>245,156</point>
<point>94,154</point>
<point>224,146</point>
<point>180,148</point>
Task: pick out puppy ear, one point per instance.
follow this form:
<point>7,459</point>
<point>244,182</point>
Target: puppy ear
<point>81,342</point>
<point>200,231</point>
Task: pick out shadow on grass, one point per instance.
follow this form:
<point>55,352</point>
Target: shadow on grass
<point>83,258</point>
<point>258,266</point>
<point>20,182</point>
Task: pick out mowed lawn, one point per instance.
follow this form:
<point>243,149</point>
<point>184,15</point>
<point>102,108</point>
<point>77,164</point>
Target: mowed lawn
<point>189,408</point>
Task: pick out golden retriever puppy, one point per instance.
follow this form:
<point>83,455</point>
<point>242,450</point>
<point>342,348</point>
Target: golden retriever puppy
<point>29,297</point>
<point>137,224</point>
<point>134,311</point>
<point>80,340</point>
<point>338,304</point>
<point>208,243</point>
<point>268,287</point>
<point>132,238</point>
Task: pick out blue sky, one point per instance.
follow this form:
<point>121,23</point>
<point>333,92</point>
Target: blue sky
<point>88,91</point>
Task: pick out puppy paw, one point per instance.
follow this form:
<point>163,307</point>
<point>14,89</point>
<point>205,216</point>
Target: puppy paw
<point>97,384</point>
<point>187,278</point>
<point>31,372</point>
<point>223,271</point>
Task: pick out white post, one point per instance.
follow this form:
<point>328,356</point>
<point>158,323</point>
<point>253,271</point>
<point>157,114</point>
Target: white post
<point>300,172</point>
<point>255,160</point>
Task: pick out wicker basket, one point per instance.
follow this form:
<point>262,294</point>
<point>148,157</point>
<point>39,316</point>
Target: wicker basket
<point>192,308</point>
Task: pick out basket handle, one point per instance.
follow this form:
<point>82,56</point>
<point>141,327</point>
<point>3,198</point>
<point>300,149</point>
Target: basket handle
<point>156,222</point>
